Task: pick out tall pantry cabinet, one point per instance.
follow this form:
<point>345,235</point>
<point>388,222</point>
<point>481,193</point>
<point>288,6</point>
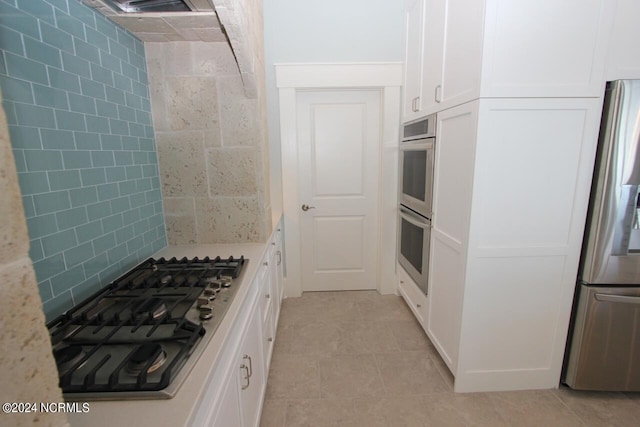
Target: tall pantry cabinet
<point>518,87</point>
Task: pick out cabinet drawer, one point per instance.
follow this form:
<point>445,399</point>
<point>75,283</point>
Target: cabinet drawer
<point>414,297</point>
<point>268,336</point>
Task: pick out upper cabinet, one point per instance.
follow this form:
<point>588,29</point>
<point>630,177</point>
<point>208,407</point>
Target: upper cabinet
<point>623,58</point>
<point>460,50</point>
<point>414,20</point>
<point>442,54</point>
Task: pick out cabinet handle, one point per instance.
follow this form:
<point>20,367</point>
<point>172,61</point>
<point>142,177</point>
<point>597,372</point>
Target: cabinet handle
<point>250,371</point>
<point>279,257</point>
<point>401,281</point>
<point>438,94</point>
<point>414,104</point>
<point>270,339</point>
<point>265,263</point>
<point>267,296</point>
<point>418,305</point>
<point>247,376</point>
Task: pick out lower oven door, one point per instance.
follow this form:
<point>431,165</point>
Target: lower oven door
<point>413,255</point>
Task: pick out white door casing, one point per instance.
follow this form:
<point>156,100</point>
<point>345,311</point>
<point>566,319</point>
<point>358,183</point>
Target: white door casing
<point>385,79</point>
<point>338,150</point>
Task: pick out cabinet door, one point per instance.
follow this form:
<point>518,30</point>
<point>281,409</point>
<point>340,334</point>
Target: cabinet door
<point>460,40</point>
<point>433,46</point>
<point>268,338</point>
<point>276,270</point>
<point>228,412</point>
<point>623,61</point>
<point>455,150</point>
<point>251,374</point>
<point>413,59</point>
<point>266,288</point>
<point>545,48</point>
<point>451,54</point>
<point>533,166</point>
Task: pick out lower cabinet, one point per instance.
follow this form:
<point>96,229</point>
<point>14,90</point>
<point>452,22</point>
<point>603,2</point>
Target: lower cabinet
<point>251,372</point>
<point>228,411</point>
<point>240,401</point>
<point>237,387</point>
<point>416,300</point>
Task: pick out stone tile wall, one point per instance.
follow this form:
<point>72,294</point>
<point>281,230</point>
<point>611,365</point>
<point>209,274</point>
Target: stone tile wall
<point>27,370</point>
<point>211,140</point>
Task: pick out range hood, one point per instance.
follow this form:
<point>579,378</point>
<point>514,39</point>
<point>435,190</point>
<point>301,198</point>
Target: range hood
<point>141,6</point>
<point>164,20</point>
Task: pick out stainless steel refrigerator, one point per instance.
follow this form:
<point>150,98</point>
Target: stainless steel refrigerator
<point>603,350</point>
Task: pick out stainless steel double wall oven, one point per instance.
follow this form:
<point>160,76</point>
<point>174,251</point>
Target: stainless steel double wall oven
<point>417,150</point>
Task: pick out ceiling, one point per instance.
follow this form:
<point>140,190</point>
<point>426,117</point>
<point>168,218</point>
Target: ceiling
<point>200,25</point>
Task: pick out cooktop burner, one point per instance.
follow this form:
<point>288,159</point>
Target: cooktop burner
<point>141,335</point>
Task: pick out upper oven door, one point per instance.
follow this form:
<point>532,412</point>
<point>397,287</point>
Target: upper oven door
<point>416,175</point>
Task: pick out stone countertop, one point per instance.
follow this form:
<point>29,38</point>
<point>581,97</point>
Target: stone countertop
<point>179,410</point>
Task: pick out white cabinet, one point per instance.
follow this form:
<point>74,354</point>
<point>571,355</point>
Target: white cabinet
<point>272,293</point>
<point>237,384</point>
<point>277,258</point>
<point>502,48</point>
<point>511,191</point>
<point>455,156</point>
<point>251,372</point>
<point>453,49</point>
<point>518,88</point>
<point>268,301</point>
<point>241,372</point>
<point>415,299</point>
<point>414,28</point>
<point>623,59</point>
<point>228,411</point>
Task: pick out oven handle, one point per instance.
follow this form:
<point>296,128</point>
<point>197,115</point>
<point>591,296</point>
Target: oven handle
<point>417,144</point>
<point>414,218</point>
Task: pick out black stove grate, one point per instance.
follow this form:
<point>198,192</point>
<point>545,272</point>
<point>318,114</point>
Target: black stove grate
<point>106,334</point>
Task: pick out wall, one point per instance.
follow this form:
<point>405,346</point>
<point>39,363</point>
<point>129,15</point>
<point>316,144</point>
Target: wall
<point>211,135</point>
<point>78,109</point>
<point>324,31</point>
<point>27,373</point>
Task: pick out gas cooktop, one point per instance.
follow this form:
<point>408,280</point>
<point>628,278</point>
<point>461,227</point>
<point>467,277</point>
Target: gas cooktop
<point>140,336</point>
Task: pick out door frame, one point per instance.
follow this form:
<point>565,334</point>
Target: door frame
<point>385,77</point>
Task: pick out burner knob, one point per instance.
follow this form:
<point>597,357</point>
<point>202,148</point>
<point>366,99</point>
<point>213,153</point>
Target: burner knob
<point>211,293</point>
<point>206,312</point>
<point>204,300</point>
<point>217,283</point>
<point>226,281</point>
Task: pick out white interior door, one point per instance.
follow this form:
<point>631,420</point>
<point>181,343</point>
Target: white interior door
<point>339,135</point>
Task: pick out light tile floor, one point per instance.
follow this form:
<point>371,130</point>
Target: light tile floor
<point>361,359</point>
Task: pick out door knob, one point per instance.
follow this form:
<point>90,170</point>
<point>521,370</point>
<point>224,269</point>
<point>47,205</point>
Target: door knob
<point>307,207</point>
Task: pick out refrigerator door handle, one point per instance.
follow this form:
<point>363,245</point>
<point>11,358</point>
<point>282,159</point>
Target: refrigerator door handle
<point>617,299</point>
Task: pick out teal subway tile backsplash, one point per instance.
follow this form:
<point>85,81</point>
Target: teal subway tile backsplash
<point>20,67</point>
<point>40,10</point>
<point>63,80</point>
<point>76,97</point>
<point>55,139</point>
<point>19,20</point>
<point>56,37</point>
